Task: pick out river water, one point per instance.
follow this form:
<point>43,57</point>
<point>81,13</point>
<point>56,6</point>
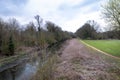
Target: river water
<point>24,71</point>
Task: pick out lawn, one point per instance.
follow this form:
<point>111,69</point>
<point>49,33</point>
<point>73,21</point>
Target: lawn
<point>109,46</point>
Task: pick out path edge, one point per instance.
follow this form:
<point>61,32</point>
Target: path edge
<point>102,52</point>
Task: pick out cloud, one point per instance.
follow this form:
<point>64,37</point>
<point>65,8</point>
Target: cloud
<point>68,14</point>
<point>11,7</point>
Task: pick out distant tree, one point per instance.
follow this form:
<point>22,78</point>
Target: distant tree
<point>13,24</point>
<point>111,34</point>
<point>50,30</point>
<point>40,34</point>
<point>111,12</point>
<point>87,31</point>
<point>39,21</point>
<point>0,36</point>
<point>4,32</point>
<point>0,43</point>
<point>14,30</point>
<point>11,46</point>
<point>56,32</point>
<point>72,35</point>
<point>30,35</point>
<point>94,24</point>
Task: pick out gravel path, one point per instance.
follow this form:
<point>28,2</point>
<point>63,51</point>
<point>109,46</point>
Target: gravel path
<point>78,62</point>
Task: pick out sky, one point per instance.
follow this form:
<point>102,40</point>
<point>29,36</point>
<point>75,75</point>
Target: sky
<point>68,14</point>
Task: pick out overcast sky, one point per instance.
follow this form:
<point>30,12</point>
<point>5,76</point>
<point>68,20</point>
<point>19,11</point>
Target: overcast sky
<point>68,14</point>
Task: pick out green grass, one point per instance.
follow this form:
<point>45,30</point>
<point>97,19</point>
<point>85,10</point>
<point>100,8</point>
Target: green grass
<point>110,46</point>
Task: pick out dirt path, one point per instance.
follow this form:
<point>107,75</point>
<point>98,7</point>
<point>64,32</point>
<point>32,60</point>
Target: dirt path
<point>78,62</point>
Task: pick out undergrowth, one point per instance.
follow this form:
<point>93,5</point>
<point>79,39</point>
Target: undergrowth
<point>46,71</point>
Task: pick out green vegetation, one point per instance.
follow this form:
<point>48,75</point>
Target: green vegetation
<point>13,35</point>
<point>11,46</point>
<point>110,46</point>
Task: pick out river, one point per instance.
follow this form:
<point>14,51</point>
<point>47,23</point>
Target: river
<point>23,71</point>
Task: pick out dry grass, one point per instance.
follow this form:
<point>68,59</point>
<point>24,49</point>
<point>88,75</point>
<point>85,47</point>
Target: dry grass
<point>46,71</point>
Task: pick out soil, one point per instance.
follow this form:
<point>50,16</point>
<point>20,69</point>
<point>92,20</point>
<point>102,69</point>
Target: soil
<point>78,62</point>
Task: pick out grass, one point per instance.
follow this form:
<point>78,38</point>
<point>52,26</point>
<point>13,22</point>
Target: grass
<point>46,71</point>
<point>10,59</point>
<point>109,46</point>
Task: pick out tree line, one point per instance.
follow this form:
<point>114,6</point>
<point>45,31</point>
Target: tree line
<point>91,30</point>
<point>13,35</point>
<point>111,13</point>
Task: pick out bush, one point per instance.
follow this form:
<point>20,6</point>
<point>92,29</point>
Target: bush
<point>10,46</point>
<point>46,71</point>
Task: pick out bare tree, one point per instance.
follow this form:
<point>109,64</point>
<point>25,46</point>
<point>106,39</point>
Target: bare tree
<point>111,12</point>
<point>94,24</point>
<point>39,21</point>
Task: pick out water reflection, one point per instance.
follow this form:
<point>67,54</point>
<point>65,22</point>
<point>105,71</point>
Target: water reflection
<point>23,71</point>
<point>28,72</point>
